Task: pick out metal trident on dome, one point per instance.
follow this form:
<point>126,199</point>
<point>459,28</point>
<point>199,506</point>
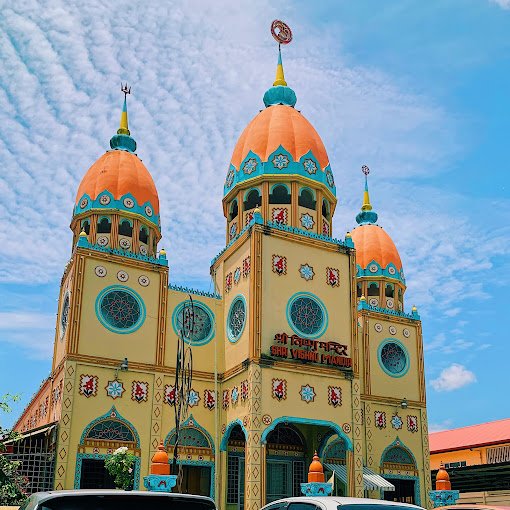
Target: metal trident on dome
<point>125,89</point>
<point>366,215</point>
<point>283,35</point>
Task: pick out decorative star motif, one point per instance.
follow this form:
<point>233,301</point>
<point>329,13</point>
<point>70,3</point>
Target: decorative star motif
<point>310,166</point>
<point>306,272</point>
<point>114,389</point>
<point>307,393</point>
<point>281,161</point>
<point>307,221</point>
<point>396,422</point>
<point>250,166</point>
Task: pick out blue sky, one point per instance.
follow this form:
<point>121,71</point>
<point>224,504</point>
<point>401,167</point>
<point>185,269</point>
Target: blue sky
<point>419,91</point>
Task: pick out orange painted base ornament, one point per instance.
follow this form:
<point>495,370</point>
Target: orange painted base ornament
<point>316,485</point>
<point>160,479</point>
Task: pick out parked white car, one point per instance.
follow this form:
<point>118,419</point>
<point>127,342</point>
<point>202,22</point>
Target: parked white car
<point>337,503</point>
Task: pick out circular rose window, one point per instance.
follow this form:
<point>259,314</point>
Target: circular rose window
<point>236,319</point>
<point>120,309</point>
<point>64,316</point>
<point>393,358</point>
<point>202,320</point>
<point>307,315</point>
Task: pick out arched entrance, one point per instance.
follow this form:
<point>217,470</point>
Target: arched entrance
<point>234,443</point>
<point>335,463</point>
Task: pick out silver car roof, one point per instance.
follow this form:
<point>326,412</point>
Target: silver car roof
<point>333,501</point>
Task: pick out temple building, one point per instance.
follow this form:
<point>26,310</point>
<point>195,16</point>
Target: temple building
<point>304,346</point>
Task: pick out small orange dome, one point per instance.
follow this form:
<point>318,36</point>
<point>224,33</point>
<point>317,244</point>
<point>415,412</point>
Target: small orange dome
<point>442,474</point>
<point>315,471</point>
<point>372,243</point>
<point>159,462</point>
<point>443,479</point>
<point>119,172</point>
<point>279,125</point>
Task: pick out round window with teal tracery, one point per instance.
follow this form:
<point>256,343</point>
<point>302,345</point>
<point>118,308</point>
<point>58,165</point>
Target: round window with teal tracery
<point>120,309</point>
<point>393,358</point>
<point>307,315</point>
<point>236,319</point>
<point>200,316</point>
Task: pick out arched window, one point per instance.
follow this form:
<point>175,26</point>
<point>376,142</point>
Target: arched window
<point>398,455</point>
<point>373,289</point>
<point>389,291</point>
<point>400,295</point>
<point>286,435</point>
<point>191,437</point>
<point>234,210</point>
<point>125,228</point>
<point>111,430</point>
<point>252,200</point>
<point>325,209</point>
<point>85,226</point>
<point>144,235</point>
<point>358,286</point>
<point>279,195</point>
<point>336,452</point>
<point>306,199</point>
<point>104,226</point>
<point>236,437</point>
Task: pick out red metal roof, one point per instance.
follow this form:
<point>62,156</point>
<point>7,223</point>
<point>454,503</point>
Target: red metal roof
<point>466,437</point>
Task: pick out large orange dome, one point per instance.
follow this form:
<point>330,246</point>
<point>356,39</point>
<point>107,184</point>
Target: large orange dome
<point>275,126</point>
<point>373,244</point>
<point>120,173</point>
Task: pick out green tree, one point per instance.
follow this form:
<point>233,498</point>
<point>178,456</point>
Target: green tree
<point>12,484</point>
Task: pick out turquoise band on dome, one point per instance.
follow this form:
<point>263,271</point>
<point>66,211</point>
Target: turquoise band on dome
<point>123,143</point>
<point>280,95</point>
<point>374,269</point>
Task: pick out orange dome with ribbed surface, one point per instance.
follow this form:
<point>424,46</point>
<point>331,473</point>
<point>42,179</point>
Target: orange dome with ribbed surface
<point>119,172</point>
<point>372,243</point>
<point>275,126</point>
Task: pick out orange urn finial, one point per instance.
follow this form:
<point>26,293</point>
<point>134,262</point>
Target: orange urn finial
<point>159,462</point>
<point>315,471</point>
<point>443,479</point>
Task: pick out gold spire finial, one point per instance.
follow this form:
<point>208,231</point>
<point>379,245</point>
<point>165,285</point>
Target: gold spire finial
<point>367,206</point>
<point>124,129</point>
<point>280,76</point>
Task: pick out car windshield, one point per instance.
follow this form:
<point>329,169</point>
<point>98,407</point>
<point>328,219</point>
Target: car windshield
<point>125,502</point>
<point>381,506</point>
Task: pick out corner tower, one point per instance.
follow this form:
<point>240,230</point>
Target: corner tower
<point>280,165</point>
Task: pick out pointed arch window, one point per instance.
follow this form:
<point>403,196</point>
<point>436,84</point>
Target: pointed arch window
<point>358,287</point>
<point>85,226</point>
<point>280,195</point>
<point>325,209</point>
<point>234,210</point>
<point>252,200</point>
<point>104,226</point>
<point>111,430</point>
<point>144,235</point>
<point>125,228</point>
<point>306,199</point>
<point>389,291</point>
<point>373,289</point>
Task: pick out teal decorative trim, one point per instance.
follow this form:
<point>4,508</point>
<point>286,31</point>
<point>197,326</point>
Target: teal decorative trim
<point>306,421</point>
<point>307,188</point>
<point>313,297</point>
<point>112,414</point>
<point>83,243</point>
<point>363,305</point>
<point>192,423</point>
<point>391,271</point>
<point>304,233</point>
<point>104,321</point>
<point>385,342</point>
<point>188,290</point>
<point>280,94</point>
<point>121,220</point>
<point>397,443</point>
<point>246,193</point>
<point>286,186</point>
<point>237,175</point>
<point>234,239</point>
<point>123,142</point>
<point>105,201</point>
<point>325,449</point>
<point>226,435</point>
<point>232,336</point>
<point>205,309</point>
<point>99,456</point>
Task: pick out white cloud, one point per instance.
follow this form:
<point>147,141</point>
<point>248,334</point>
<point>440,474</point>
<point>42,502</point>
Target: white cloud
<point>453,377</point>
<point>504,4</point>
<point>439,427</point>
<point>452,312</point>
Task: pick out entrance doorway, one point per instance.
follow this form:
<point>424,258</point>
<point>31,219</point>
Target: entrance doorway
<point>94,475</point>
<point>235,468</point>
<point>195,480</point>
<point>403,493</point>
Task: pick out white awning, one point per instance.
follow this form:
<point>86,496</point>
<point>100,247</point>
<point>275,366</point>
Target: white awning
<point>373,481</point>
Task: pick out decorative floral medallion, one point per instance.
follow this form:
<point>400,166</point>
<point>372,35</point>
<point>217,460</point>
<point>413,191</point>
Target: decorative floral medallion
<point>88,385</point>
<point>230,178</point>
<point>329,178</point>
<point>389,303</point>
<point>249,217</point>
<point>170,394</point>
<point>246,267</point>
<point>306,272</point>
<point>237,275</point>
<point>129,202</point>
<point>139,391</point>
<point>143,249</point>
<point>307,393</point>
<point>125,243</point>
<point>104,199</point>
<point>115,389</point>
<point>225,401</point>
<point>307,221</point>
<point>233,230</point>
<point>143,280</point>
<point>334,396</point>
<point>373,301</point>
<point>396,422</point>
<point>393,330</point>
<point>325,228</point>
<point>266,419</point>
<point>310,166</point>
<point>209,399</point>
<point>84,203</point>
<point>250,166</point>
<point>391,270</point>
<point>346,427</point>
<point>279,215</point>
<point>102,241</point>
<point>406,333</point>
<point>244,390</point>
<point>279,264</point>
<point>280,161</point>
<point>378,327</point>
<point>412,423</point>
<point>380,419</point>
<point>332,276</point>
<point>373,268</point>
<point>122,276</point>
<point>148,210</point>
<point>279,389</point>
<point>228,282</point>
<point>100,271</point>
<point>193,398</point>
<point>235,395</point>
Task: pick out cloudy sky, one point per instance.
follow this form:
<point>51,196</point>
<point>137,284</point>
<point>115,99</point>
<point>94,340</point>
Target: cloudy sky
<point>418,91</point>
